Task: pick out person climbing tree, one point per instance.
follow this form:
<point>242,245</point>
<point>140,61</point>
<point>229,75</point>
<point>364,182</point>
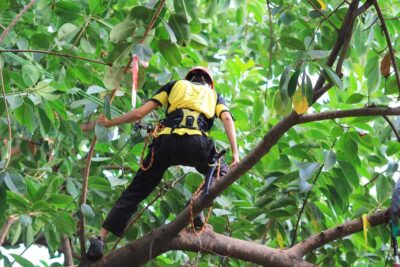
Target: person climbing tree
<point>192,104</point>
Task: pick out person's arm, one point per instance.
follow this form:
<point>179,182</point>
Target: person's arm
<point>131,116</point>
<point>229,126</point>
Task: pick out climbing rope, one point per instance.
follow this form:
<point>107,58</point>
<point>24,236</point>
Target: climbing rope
<point>152,134</point>
<point>194,197</point>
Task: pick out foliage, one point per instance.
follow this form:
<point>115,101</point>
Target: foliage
<point>263,57</point>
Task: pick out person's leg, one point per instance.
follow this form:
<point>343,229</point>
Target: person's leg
<point>142,185</point>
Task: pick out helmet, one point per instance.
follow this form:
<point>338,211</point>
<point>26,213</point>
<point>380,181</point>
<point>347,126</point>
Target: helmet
<point>203,71</point>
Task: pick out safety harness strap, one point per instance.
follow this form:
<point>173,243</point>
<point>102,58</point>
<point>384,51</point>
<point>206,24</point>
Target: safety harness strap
<point>186,118</point>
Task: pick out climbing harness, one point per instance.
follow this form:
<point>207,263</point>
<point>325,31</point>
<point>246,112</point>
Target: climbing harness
<point>189,119</point>
<point>151,135</point>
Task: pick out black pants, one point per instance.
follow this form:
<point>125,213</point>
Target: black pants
<point>169,150</point>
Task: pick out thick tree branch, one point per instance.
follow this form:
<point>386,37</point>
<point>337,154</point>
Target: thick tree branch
<point>335,233</point>
<point>329,115</point>
<point>364,7</point>
<point>6,228</point>
<point>211,242</point>
<point>15,20</point>
<point>389,42</point>
<point>55,54</point>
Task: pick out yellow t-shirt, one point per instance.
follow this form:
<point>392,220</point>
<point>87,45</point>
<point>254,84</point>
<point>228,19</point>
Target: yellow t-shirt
<point>184,94</point>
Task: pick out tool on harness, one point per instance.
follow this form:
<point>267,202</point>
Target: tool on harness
<point>212,165</point>
<point>186,118</point>
<point>394,222</point>
<point>151,134</point>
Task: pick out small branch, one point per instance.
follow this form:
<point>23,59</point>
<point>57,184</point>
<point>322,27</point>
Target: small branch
<point>81,223</point>
<point>348,228</point>
<point>6,228</point>
<point>304,205</point>
<point>364,7</point>
<point>348,113</point>
<point>149,28</point>
<point>271,36</point>
<point>393,128</point>
<point>322,13</point>
<point>68,255</point>
<point>3,90</point>
<point>54,54</point>
<point>15,20</point>
<point>389,42</point>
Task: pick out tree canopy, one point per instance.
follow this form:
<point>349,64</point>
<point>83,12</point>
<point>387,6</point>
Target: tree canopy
<point>313,86</point>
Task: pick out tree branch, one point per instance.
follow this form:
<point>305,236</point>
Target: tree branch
<point>15,20</point>
<point>215,243</point>
<point>361,112</point>
<point>389,42</point>
<point>81,223</point>
<point>304,205</point>
<point>393,128</point>
<point>149,28</point>
<point>337,232</point>
<point>54,54</point>
<point>6,228</point>
<point>322,14</point>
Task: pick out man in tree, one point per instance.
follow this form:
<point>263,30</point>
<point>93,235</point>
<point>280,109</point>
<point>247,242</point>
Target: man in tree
<point>191,104</point>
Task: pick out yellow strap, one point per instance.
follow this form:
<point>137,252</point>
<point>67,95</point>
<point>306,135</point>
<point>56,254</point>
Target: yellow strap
<point>366,225</point>
<point>279,238</point>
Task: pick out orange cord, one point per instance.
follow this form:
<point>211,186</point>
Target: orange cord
<point>194,197</point>
<point>153,134</point>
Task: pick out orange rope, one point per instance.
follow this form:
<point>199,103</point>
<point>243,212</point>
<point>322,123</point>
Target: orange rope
<point>153,134</point>
<point>194,197</point>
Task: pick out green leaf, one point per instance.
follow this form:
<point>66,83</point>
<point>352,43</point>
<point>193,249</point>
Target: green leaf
<point>333,77</point>
<point>17,201</point>
<point>87,212</point>
<point>317,54</point>
<point>113,77</point>
<point>355,98</point>
<point>292,43</point>
<point>306,170</point>
<point>25,220</point>
<point>329,159</point>
<point>65,224</point>
<point>68,10</point>
<point>67,32</point>
<point>30,75</point>
<point>3,200</point>
<point>307,89</point>
<point>15,182</point>
<point>393,148</point>
<point>258,110</point>
<point>198,42</point>
<point>59,200</point>
<point>350,173</point>
<point>143,51</point>
<point>170,52</point>
<point>293,83</point>
<point>283,84</point>
<point>22,261</point>
<point>180,26</point>
<point>122,31</point>
<point>171,33</point>
<point>101,133</point>
<point>281,107</point>
<point>107,107</point>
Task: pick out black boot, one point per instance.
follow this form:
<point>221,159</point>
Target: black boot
<point>95,250</point>
<point>199,221</point>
